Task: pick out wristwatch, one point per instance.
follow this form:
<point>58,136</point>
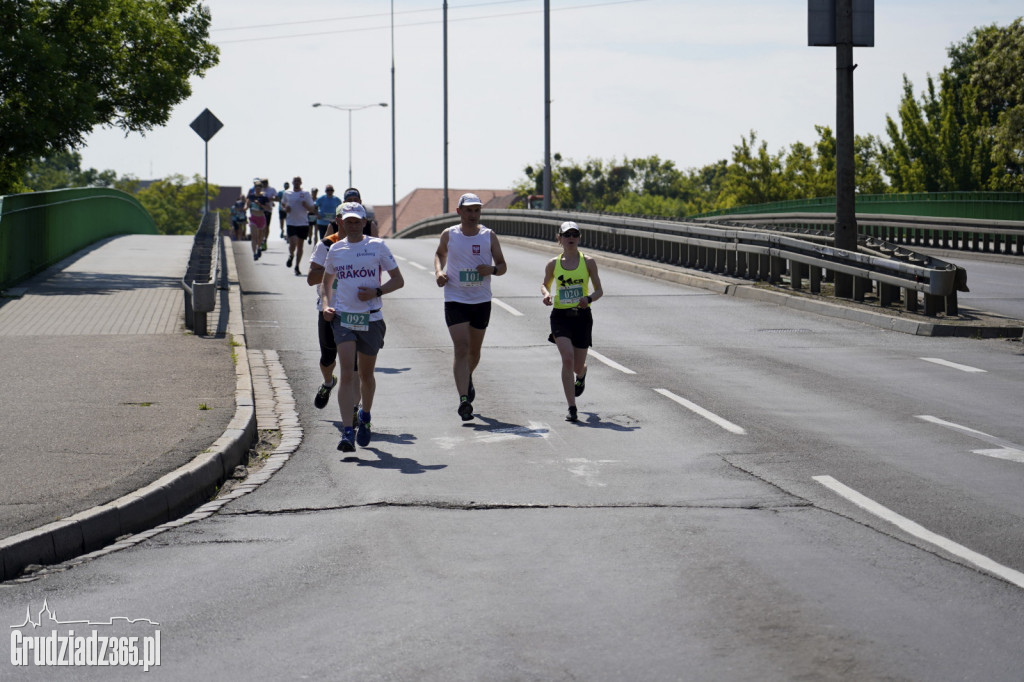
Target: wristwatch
<point>379,292</point>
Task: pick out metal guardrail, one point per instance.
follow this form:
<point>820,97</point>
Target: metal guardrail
<point>203,272</point>
<point>753,254</point>
<point>964,234</point>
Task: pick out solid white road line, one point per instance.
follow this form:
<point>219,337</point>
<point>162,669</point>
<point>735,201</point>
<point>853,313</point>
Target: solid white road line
<point>417,265</point>
<point>1006,449</point>
<point>507,307</point>
<point>919,531</point>
<point>947,363</point>
<point>611,363</point>
<point>711,416</point>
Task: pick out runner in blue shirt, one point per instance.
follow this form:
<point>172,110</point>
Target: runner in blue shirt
<point>326,207</point>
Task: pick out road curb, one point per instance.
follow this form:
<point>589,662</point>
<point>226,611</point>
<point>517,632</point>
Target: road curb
<point>747,290</point>
<point>171,496</point>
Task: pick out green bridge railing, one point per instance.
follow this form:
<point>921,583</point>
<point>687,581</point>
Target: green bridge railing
<point>40,229</point>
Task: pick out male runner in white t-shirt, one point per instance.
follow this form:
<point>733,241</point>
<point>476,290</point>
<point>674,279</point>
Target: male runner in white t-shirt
<point>351,292</point>
<point>297,203</point>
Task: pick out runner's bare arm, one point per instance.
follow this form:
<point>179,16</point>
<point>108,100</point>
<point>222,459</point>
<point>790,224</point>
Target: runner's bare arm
<point>325,296</point>
<point>549,274</point>
<point>315,275</point>
<point>499,267</point>
<point>595,281</point>
<point>441,259</point>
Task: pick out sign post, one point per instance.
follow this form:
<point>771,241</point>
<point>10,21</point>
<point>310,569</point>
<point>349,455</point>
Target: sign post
<point>843,24</point>
<point>206,126</point>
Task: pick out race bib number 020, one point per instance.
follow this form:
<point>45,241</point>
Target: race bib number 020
<point>570,295</point>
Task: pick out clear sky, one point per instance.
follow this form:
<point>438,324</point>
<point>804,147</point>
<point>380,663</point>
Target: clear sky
<point>681,79</point>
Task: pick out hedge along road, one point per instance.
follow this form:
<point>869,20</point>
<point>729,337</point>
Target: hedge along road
<point>681,529</point>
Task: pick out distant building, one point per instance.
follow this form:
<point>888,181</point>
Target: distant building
<point>427,203</point>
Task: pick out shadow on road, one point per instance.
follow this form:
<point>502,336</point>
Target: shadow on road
<point>404,465</point>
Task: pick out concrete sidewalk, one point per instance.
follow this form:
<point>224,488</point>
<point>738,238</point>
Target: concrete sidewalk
<point>114,417</point>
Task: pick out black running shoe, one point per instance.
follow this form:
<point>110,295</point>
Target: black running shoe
<point>581,383</point>
<point>471,391</point>
<point>466,410</point>
<point>348,440</point>
<point>297,271</point>
<point>323,394</point>
<point>571,417</point>
<point>363,433</point>
<point>289,263</point>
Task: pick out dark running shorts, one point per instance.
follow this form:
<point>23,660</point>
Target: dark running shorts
<point>576,324</point>
<point>300,231</point>
<point>368,342</point>
<point>477,314</point>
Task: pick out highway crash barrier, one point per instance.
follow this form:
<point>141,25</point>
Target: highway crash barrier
<point>200,282</point>
<point>899,274</point>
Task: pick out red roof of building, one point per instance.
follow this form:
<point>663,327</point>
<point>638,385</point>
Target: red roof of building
<point>427,203</point>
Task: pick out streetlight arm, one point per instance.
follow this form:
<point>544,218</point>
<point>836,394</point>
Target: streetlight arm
<point>349,109</point>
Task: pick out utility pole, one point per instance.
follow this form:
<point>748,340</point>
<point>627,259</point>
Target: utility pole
<point>846,206</point>
<point>547,105</point>
<point>444,61</point>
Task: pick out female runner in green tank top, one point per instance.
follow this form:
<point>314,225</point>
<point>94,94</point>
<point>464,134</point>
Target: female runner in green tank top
<point>571,284</point>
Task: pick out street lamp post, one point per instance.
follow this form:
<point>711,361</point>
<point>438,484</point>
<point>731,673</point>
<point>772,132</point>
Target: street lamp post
<point>350,109</point>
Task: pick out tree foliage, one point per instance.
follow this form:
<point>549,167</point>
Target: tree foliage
<point>176,203</point>
<point>964,133</point>
<point>64,169</point>
<point>754,174</point>
<point>967,132</point>
<point>67,66</point>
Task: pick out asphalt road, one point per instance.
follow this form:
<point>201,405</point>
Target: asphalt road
<point>752,493</point>
<point>995,285</point>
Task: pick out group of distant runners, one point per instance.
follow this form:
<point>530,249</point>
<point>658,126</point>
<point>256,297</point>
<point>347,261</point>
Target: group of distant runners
<point>303,215</point>
<point>347,267</point>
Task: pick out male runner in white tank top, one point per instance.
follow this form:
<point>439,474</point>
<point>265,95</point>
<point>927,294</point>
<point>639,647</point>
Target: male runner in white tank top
<point>467,257</point>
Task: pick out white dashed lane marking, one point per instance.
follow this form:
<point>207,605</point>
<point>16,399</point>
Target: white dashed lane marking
<point>947,363</point>
<point>697,409</point>
<point>981,561</point>
<point>507,307</point>
<point>1004,449</point>
<point>611,363</point>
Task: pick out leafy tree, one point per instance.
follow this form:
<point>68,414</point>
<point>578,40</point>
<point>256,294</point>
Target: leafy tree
<point>868,175</point>
<point>67,66</point>
<point>753,177</point>
<point>991,61</point>
<point>967,134</point>
<point>64,169</point>
<point>175,203</point>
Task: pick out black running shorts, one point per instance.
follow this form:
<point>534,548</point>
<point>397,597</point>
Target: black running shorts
<point>574,323</point>
<point>477,314</point>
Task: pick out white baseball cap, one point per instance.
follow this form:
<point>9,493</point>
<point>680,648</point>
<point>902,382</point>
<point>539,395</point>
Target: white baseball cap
<point>568,225</point>
<point>470,200</point>
<point>351,209</point>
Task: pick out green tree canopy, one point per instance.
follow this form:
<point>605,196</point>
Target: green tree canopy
<point>64,169</point>
<point>67,66</point>
<point>967,133</point>
<point>176,203</point>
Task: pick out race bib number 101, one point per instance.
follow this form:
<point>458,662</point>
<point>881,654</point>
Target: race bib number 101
<point>470,278</point>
